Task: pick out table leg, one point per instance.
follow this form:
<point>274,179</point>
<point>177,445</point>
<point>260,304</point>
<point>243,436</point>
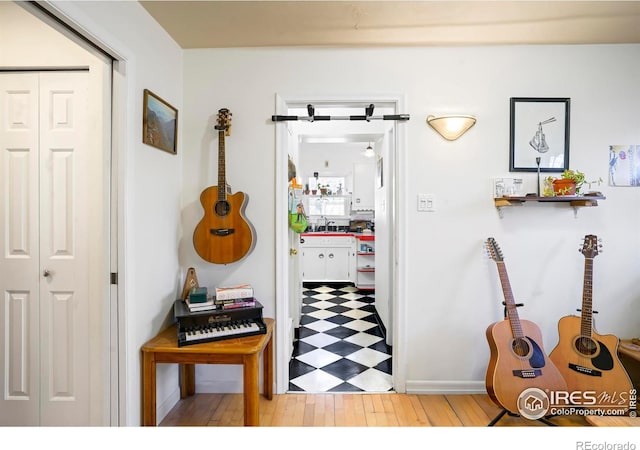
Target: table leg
<point>267,358</point>
<point>187,380</point>
<point>148,389</point>
<point>251,390</point>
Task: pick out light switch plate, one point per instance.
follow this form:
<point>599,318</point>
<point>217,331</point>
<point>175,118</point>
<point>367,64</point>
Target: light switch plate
<point>426,202</point>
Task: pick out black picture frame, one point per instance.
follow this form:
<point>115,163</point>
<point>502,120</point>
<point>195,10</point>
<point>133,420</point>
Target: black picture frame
<point>159,123</point>
<point>539,128</point>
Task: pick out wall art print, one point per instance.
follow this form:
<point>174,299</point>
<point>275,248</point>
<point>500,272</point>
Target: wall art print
<point>159,123</point>
<point>539,134</point>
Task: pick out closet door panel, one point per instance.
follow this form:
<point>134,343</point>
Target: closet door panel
<point>64,250</point>
<point>19,219</point>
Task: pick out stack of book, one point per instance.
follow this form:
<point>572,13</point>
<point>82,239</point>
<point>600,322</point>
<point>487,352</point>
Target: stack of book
<point>199,300</point>
<point>234,297</point>
<point>224,298</point>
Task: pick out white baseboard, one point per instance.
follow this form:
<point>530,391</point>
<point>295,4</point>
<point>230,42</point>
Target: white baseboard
<point>166,405</point>
<point>445,387</point>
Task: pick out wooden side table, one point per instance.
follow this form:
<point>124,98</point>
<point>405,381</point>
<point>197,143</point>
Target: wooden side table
<point>245,351</point>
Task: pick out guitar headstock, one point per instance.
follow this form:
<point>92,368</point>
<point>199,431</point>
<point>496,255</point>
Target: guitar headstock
<point>224,121</point>
<point>591,246</point>
<point>493,249</point>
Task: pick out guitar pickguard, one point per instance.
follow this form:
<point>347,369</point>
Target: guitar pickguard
<point>537,355</point>
<point>603,360</point>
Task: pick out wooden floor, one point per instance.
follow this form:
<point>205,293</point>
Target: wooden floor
<point>351,410</point>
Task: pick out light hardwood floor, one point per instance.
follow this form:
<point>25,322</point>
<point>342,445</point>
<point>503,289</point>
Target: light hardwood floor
<point>351,410</point>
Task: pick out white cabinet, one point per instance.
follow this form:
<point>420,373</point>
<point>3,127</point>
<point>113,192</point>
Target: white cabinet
<point>366,262</point>
<point>327,258</point>
<point>364,176</point>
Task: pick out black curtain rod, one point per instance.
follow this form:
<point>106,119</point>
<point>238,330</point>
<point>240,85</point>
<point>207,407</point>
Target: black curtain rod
<point>368,116</point>
<point>326,118</point>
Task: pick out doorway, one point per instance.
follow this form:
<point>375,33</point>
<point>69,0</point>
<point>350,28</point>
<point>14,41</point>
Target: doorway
<point>288,143</point>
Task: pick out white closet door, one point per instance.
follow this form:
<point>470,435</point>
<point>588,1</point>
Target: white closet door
<point>64,299</point>
<point>45,317</point>
<point>19,260</point>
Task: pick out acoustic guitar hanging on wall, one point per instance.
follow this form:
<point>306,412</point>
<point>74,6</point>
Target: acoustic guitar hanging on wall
<point>224,235</point>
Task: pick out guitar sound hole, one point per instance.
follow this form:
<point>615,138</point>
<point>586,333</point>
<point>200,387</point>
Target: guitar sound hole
<point>520,347</point>
<point>222,208</point>
<point>586,346</point>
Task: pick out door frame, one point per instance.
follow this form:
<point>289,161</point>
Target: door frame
<point>398,273</point>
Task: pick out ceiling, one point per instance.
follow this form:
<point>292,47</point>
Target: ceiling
<point>217,24</point>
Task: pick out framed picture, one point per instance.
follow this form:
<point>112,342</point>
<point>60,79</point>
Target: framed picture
<point>159,123</point>
<point>539,134</point>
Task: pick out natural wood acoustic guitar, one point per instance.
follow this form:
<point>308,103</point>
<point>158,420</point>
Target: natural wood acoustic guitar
<point>589,361</point>
<point>518,359</point>
<point>224,235</point>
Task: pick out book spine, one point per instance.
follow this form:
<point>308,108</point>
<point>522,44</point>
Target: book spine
<point>234,293</point>
<point>239,305</point>
<point>232,300</point>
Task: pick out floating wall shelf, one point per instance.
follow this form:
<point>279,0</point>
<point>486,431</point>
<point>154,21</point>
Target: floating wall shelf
<point>576,201</point>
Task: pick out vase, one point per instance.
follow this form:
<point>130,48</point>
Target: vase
<point>564,186</point>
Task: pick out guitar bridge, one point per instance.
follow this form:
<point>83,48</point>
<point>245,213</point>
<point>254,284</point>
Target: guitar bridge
<point>222,231</point>
<point>585,370</point>
<point>527,373</point>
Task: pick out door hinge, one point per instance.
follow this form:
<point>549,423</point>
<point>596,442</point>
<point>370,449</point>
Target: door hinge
<point>114,277</point>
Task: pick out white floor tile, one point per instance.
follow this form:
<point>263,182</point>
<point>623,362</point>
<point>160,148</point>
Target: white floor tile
<point>322,296</point>
<point>319,340</point>
<point>321,325</point>
<point>322,314</point>
<point>322,304</point>
<point>319,358</point>
<point>359,325</point>
<point>351,296</point>
<point>372,380</point>
<point>363,339</point>
<point>324,289</point>
<point>356,313</point>
<point>368,357</point>
<point>317,381</point>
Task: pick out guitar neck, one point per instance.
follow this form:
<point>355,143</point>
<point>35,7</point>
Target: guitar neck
<point>586,324</point>
<point>510,305</point>
<point>222,176</point>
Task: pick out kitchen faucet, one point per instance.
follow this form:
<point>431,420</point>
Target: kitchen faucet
<point>327,222</point>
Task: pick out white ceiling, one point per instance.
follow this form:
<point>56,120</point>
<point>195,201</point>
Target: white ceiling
<point>214,24</point>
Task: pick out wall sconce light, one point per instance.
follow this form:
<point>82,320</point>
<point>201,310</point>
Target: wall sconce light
<point>451,127</point>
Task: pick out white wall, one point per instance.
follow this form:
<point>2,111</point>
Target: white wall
<point>149,189</point>
<point>452,288</point>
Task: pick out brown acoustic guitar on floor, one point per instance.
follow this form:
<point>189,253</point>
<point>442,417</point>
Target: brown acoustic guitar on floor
<point>224,235</point>
<point>587,360</point>
<point>518,359</point>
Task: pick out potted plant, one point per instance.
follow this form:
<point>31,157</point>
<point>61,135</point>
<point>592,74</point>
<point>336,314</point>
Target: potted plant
<point>569,183</point>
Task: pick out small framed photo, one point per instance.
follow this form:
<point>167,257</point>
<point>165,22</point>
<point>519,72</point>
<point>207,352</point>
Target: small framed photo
<point>159,123</point>
<point>539,134</point>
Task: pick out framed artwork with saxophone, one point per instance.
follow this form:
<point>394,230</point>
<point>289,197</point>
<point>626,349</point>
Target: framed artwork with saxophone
<point>539,134</point>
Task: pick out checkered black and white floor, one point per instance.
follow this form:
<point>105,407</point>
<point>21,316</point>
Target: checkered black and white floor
<point>340,346</point>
